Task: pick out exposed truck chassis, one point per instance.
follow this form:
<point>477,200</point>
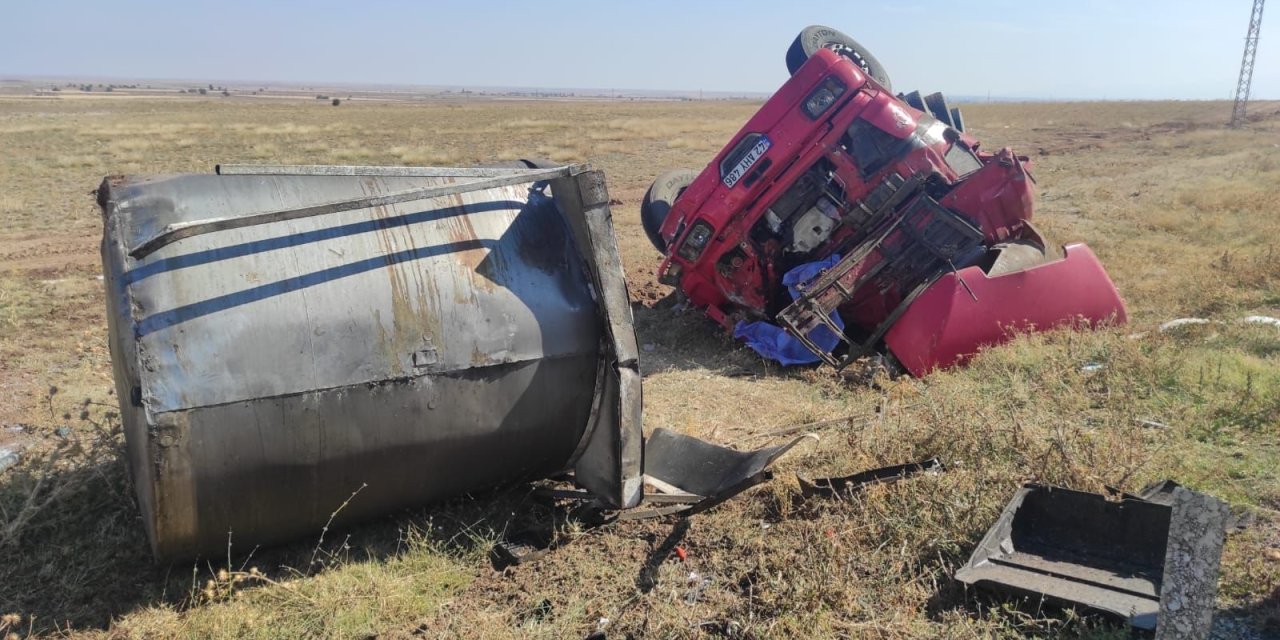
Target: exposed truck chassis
<point>937,254</point>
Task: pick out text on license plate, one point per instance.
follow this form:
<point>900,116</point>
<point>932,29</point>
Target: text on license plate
<point>746,162</point>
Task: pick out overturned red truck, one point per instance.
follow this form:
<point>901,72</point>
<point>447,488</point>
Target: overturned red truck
<point>844,221</point>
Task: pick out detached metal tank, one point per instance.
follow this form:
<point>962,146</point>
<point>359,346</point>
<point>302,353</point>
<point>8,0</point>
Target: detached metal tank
<point>285,336</point>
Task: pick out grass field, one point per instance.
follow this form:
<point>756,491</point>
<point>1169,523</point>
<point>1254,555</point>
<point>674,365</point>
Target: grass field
<point>1184,212</point>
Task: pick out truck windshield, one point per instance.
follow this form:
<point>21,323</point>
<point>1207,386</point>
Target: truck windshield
<point>871,147</point>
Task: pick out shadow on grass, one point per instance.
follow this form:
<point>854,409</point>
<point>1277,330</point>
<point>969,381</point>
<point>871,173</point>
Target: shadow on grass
<point>82,557</point>
<point>682,339</point>
<point>1259,619</point>
<point>686,340</point>
<point>647,579</point>
<point>1026,616</point>
<point>1029,615</point>
<point>82,560</point>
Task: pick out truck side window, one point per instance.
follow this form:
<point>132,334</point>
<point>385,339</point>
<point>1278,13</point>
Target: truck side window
<point>871,147</point>
<point>962,159</point>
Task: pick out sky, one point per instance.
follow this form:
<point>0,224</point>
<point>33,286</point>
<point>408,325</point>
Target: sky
<point>1065,49</point>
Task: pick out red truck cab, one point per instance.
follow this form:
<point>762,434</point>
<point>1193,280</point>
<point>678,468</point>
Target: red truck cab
<point>835,164</point>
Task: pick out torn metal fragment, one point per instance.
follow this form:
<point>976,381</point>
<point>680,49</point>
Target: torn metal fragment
<point>525,546</point>
<point>701,468</point>
<point>831,487</point>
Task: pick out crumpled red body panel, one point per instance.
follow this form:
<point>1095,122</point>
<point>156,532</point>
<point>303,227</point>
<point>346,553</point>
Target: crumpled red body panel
<point>946,325</point>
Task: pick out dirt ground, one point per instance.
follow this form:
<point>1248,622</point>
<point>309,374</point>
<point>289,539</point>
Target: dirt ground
<point>1182,211</point>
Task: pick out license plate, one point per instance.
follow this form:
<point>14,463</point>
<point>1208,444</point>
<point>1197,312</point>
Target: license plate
<point>747,162</point>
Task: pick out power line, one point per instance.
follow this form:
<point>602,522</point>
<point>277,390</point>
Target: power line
<point>1246,64</point>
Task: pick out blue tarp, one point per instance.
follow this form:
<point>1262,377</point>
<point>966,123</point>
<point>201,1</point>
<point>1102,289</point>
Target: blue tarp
<point>773,342</point>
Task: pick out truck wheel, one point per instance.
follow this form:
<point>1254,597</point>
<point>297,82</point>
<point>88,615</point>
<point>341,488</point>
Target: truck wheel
<point>937,105</point>
<point>658,201</point>
<point>817,37</point>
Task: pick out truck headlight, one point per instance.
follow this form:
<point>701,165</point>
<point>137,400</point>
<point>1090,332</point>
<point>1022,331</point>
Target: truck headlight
<point>695,242</point>
<point>823,97</point>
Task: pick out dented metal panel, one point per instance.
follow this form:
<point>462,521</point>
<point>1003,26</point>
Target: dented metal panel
<point>614,447</point>
<point>271,363</point>
<point>1077,548</point>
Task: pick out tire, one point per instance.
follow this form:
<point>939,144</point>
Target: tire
<point>937,105</point>
<point>1016,255</point>
<point>815,37</point>
<point>957,119</point>
<point>658,201</point>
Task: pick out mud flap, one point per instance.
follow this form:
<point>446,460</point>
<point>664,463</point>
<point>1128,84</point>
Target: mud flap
<point>1081,549</point>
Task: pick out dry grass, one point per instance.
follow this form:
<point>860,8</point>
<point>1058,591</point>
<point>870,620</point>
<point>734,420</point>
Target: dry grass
<point>1181,210</point>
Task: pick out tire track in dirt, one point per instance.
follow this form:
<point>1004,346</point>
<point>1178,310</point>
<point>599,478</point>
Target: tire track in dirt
<point>36,254</point>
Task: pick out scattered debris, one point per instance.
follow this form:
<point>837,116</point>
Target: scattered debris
<point>1182,322</point>
<point>723,628</point>
<point>687,475</point>
<point>1190,322</point>
<point>539,612</point>
<point>699,584</point>
<point>522,547</point>
<point>1078,548</point>
<point>835,487</point>
<point>1275,322</point>
<point>8,458</point>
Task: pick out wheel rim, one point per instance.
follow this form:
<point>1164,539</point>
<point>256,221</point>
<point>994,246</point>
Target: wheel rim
<point>851,54</point>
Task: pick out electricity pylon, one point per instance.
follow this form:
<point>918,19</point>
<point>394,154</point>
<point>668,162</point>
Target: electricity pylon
<point>1246,64</point>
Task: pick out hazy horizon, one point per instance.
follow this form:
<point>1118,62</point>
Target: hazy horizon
<point>1091,50</point>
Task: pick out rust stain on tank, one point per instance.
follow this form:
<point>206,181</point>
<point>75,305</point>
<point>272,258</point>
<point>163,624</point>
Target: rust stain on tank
<point>414,298</point>
<point>462,230</point>
<point>480,358</point>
